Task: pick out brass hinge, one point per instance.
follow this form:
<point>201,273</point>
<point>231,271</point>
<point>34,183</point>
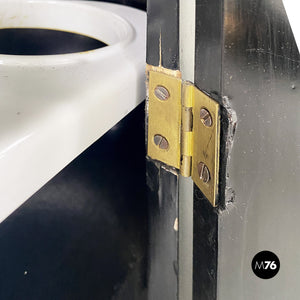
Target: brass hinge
<point>184,129</point>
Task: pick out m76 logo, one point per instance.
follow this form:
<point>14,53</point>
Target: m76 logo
<point>265,265</point>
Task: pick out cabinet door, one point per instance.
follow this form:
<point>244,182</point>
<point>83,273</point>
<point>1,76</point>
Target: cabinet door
<point>243,54</point>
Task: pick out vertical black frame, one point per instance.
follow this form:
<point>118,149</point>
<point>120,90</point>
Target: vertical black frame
<point>162,181</point>
<point>208,77</point>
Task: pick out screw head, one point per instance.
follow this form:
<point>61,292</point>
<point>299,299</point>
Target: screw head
<point>161,142</point>
<point>203,172</point>
<point>205,117</point>
<point>161,93</point>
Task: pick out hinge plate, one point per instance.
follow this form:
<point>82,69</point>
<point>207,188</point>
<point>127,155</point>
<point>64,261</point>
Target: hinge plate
<point>206,141</point>
<point>184,130</point>
<point>164,118</point>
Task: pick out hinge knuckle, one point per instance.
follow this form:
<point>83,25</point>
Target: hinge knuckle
<point>186,166</point>
<point>187,153</point>
<point>187,129</point>
<point>187,94</point>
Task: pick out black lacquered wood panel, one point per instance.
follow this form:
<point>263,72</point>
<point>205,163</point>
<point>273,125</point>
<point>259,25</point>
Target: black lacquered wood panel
<point>163,33</point>
<point>163,50</point>
<point>208,77</point>
<point>208,46</point>
<point>163,245</point>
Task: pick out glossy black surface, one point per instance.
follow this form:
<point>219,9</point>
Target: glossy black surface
<point>256,68</point>
<point>261,79</point>
<point>163,246</point>
<point>209,46</point>
<point>84,235</point>
<point>39,41</point>
<point>205,248</point>
<point>163,33</point>
<point>259,37</point>
<point>208,77</point>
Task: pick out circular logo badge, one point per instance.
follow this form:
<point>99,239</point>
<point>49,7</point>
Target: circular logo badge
<point>265,264</point>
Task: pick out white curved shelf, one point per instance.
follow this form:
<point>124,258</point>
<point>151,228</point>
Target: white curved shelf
<point>292,10</point>
<point>53,107</point>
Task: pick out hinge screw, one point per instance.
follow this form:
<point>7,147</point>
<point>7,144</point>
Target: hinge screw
<point>203,172</point>
<point>161,142</point>
<point>205,117</point>
<point>161,93</point>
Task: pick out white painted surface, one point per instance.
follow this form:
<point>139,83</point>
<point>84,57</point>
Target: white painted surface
<point>187,16</point>
<point>292,8</point>
<point>54,107</point>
